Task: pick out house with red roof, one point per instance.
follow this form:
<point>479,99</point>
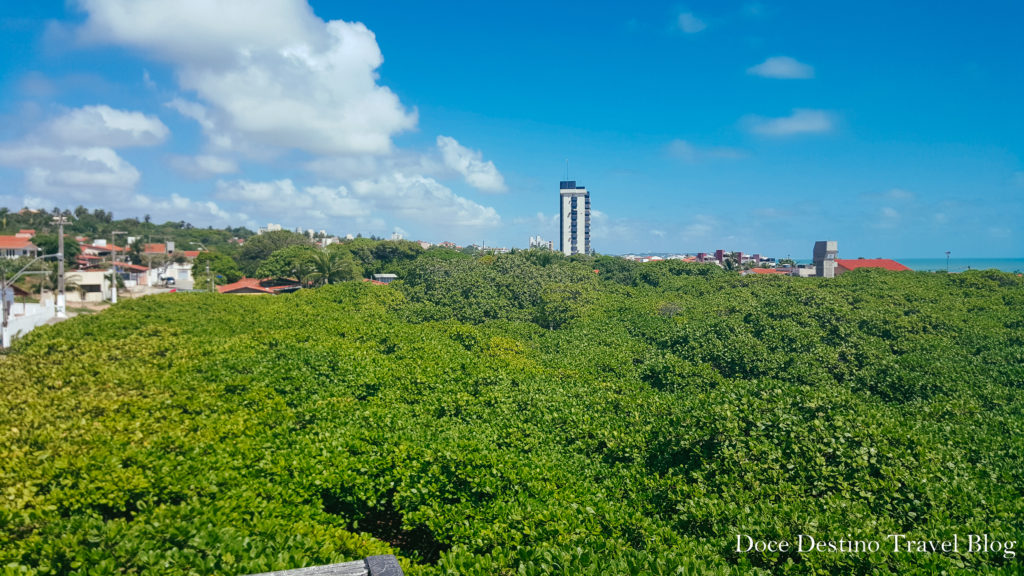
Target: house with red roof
<point>843,266</point>
<point>257,286</point>
<point>17,247</point>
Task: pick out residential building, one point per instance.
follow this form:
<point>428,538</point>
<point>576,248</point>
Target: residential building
<point>257,286</point>
<point>174,274</point>
<point>90,285</point>
<point>538,242</point>
<point>574,221</point>
<point>17,247</point>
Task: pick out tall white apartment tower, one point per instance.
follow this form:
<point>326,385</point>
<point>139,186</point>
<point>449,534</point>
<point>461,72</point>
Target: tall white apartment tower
<point>574,223</point>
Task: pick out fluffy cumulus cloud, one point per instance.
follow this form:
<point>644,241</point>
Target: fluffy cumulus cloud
<point>782,67</point>
<point>479,174</point>
<point>106,126</point>
<point>72,156</point>
<point>265,71</point>
<point>413,196</point>
<point>70,172</point>
<point>801,121</point>
<point>283,198</point>
<point>397,196</point>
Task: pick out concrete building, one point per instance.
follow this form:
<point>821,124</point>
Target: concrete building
<point>538,242</point>
<point>825,253</point>
<point>574,221</point>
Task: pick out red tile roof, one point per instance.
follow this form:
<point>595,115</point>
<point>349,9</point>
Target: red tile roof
<point>155,249</point>
<point>191,254</point>
<point>16,243</point>
<point>250,285</point>
<point>26,233</point>
<point>883,263</point>
<point>131,267</point>
<point>768,271</point>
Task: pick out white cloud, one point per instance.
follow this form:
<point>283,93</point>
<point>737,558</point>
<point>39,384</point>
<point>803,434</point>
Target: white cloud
<point>266,71</point>
<point>182,208</point>
<point>691,24</point>
<point>479,174</point>
<point>72,156</point>
<point>105,126</point>
<point>396,195</point>
<point>802,121</point>
<point>281,198</point>
<point>782,67</point>
<point>419,197</point>
<point>204,165</point>
<point>74,172</point>
<point>690,152</point>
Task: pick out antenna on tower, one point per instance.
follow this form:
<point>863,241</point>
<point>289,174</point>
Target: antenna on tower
<point>567,169</point>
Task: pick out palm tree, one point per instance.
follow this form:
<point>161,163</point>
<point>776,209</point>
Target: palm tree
<point>326,266</point>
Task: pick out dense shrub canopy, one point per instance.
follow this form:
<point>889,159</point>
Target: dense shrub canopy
<point>521,414</point>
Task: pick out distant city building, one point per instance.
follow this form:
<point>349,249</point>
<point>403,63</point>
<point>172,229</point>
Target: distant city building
<point>396,236</point>
<point>825,253</point>
<point>574,223</point>
<point>538,242</point>
<point>270,228</point>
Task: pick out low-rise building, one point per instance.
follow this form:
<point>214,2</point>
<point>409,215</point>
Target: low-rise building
<point>17,247</point>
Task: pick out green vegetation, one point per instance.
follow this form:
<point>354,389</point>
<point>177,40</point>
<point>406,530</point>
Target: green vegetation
<point>521,414</point>
<point>100,223</point>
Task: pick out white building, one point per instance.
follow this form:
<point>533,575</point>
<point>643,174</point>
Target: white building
<point>538,242</point>
<point>574,221</point>
<point>171,274</point>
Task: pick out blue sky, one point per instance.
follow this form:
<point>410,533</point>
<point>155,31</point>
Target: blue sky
<point>894,128</point>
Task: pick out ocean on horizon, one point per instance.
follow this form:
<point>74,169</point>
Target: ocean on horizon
<point>963,264</point>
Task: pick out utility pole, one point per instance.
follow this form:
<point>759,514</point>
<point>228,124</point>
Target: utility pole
<point>113,265</point>
<point>61,301</point>
<point>5,337</point>
<point>209,276</point>
<point>947,261</point>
